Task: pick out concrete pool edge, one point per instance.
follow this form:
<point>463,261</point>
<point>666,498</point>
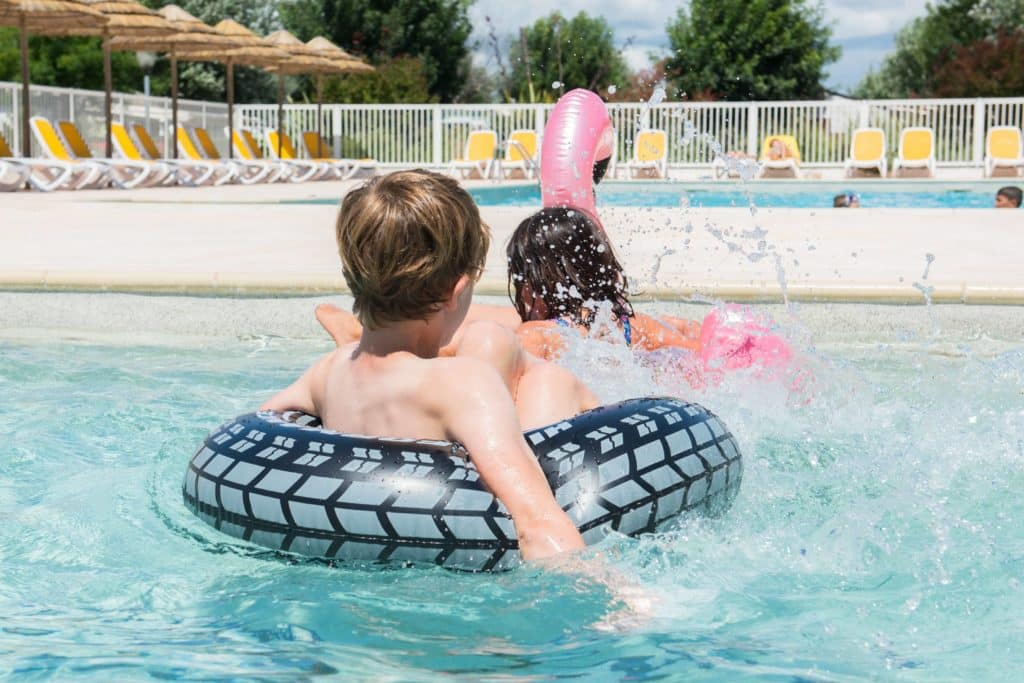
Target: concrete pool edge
<point>228,284</point>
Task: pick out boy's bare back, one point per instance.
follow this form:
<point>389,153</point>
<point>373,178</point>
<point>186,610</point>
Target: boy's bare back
<point>398,395</point>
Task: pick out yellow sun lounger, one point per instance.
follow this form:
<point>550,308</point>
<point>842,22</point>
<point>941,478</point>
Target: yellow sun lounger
<point>248,172</point>
<point>788,165</point>
<point>283,150</point>
<point>867,151</point>
<point>191,173</point>
<point>125,147</point>
<point>85,174</point>
<point>124,173</point>
<point>224,174</point>
<point>1004,148</point>
<point>14,174</point>
<point>521,154</point>
<point>650,153</point>
<point>48,174</point>
<point>917,150</point>
<point>244,144</point>
<point>318,150</point>
<point>478,159</point>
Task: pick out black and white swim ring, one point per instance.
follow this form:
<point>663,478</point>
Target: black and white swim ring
<point>281,481</point>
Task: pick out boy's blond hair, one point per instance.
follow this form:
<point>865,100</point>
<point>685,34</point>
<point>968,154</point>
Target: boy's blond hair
<point>405,239</point>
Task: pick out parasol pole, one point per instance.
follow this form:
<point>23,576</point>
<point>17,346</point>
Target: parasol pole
<point>26,108</point>
<point>174,102</point>
<point>280,113</point>
<point>108,87</point>
<point>231,107</point>
<point>319,115</point>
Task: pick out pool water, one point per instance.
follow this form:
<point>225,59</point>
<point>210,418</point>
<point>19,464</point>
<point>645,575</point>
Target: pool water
<point>878,534</point>
<point>804,195</point>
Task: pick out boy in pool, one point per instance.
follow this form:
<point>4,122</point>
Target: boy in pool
<point>412,245</point>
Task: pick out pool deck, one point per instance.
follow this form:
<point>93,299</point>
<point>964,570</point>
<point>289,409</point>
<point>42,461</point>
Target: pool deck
<point>257,241</point>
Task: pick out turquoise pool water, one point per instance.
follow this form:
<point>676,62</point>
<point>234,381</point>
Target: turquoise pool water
<point>879,534</point>
<point>806,195</point>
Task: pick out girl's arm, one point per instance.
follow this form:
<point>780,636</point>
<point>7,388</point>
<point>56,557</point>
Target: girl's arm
<point>650,333</point>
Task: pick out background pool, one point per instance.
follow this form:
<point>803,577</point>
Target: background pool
<point>803,195</point>
<point>878,534</point>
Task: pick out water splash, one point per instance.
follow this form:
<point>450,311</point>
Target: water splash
<point>927,291</point>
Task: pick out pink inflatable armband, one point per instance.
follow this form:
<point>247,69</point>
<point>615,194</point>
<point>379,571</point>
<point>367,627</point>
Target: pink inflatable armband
<point>733,338</point>
<point>579,134</point>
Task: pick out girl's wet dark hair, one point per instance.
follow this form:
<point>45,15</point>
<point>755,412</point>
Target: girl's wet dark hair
<point>560,263</point>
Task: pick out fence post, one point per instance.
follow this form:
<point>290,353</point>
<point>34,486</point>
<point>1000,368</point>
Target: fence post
<point>865,115</point>
<point>16,119</point>
<point>979,132</point>
<point>336,129</point>
<point>437,130</point>
<point>752,133</point>
<point>165,125</point>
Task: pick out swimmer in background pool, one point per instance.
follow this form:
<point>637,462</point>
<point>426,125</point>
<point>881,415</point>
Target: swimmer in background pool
<point>847,200</point>
<point>1008,197</point>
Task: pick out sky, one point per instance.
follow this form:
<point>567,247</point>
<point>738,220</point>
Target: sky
<point>865,29</point>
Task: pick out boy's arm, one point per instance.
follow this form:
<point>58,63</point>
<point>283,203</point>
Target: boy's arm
<point>301,394</point>
<point>480,415</point>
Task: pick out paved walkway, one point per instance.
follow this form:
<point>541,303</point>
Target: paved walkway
<point>258,240</point>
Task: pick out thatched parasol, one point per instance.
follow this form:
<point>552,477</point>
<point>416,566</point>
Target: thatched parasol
<point>45,17</point>
<point>328,50</point>
<point>253,51</point>
<point>307,60</point>
<point>191,34</point>
<point>125,19</point>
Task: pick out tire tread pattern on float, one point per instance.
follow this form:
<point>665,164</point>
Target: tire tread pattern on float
<point>282,482</point>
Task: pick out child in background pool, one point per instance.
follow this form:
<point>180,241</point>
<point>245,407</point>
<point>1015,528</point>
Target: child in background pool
<point>1008,197</point>
<point>412,245</point>
<point>847,200</point>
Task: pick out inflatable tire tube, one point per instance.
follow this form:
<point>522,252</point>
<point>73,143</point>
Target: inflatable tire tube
<point>280,481</point>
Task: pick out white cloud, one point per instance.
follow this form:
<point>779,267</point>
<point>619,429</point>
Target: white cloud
<point>856,18</point>
<point>864,28</point>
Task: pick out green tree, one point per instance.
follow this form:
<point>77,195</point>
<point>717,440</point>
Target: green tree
<point>926,44</point>
<point>750,49</point>
<point>435,31</point>
<point>556,54</point>
<point>401,80</point>
<point>66,62</point>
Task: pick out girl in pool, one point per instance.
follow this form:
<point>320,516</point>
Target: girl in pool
<point>561,267</point>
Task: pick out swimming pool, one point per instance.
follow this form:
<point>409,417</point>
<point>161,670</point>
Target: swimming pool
<point>769,194</point>
<point>877,534</point>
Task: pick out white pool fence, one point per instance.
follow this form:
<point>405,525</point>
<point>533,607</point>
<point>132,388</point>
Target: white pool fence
<point>433,134</point>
